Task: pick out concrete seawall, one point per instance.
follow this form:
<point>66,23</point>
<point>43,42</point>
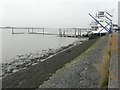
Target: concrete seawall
<point>87,71</point>
<point>33,76</point>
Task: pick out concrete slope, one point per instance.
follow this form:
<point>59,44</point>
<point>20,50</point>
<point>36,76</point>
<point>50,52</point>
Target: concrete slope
<point>35,75</point>
<point>81,72</point>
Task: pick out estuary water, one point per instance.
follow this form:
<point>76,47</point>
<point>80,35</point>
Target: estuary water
<point>20,44</point>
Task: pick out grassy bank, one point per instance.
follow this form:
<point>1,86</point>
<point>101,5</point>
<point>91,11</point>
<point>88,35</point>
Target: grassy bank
<point>103,66</point>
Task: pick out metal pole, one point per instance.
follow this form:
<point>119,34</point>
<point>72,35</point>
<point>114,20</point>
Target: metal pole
<point>60,33</point>
<point>64,32</point>
<point>28,31</point>
<point>32,30</point>
<point>75,32</point>
<point>78,32</point>
<point>12,31</point>
<point>43,30</point>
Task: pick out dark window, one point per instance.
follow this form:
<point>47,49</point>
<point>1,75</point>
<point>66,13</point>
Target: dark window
<point>101,13</point>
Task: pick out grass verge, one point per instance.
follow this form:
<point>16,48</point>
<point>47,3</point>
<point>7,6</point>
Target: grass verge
<point>103,66</point>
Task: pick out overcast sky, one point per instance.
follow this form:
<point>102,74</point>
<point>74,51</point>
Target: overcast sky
<point>52,13</point>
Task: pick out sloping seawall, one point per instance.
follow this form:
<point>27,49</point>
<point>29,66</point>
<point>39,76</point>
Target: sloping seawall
<point>35,75</point>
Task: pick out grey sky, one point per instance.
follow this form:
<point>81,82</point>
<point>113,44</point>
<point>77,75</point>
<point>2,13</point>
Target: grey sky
<point>53,13</point>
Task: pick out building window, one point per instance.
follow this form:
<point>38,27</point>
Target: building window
<point>101,13</point>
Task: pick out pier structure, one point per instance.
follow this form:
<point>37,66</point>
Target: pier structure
<point>30,30</point>
<point>62,32</point>
<point>74,32</point>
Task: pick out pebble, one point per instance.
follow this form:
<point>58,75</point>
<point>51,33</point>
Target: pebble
<point>93,83</point>
<point>15,70</point>
<point>85,68</point>
<point>34,64</point>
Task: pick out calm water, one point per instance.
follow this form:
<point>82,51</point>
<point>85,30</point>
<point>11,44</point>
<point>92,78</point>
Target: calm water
<point>18,44</point>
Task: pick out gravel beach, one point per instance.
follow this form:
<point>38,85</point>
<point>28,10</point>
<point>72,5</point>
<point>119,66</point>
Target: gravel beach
<point>80,72</point>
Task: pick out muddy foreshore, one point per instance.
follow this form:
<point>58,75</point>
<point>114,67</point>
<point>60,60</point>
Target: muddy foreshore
<point>20,62</point>
<point>23,61</point>
<point>35,75</point>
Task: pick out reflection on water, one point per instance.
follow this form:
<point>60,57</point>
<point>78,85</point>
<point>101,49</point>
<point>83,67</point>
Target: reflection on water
<point>18,44</point>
